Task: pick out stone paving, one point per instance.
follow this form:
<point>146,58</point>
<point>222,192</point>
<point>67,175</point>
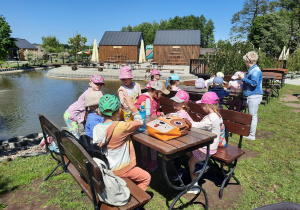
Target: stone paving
<point>111,73</point>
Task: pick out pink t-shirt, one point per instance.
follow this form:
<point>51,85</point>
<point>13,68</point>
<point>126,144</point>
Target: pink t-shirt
<point>184,114</point>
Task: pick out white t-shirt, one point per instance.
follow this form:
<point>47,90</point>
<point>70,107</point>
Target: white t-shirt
<point>212,123</point>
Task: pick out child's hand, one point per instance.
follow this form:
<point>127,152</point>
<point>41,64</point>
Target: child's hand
<point>198,116</point>
<point>161,114</point>
<point>129,102</point>
<point>143,103</point>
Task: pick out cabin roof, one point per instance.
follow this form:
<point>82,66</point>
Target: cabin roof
<point>121,38</point>
<point>24,44</point>
<point>177,37</point>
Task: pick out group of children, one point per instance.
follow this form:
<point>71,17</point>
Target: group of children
<point>102,124</point>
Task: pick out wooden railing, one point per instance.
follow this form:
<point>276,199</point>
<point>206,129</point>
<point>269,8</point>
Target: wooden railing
<point>198,66</point>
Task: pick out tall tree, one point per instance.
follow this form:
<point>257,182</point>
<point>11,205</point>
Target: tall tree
<point>243,19</point>
<point>78,43</point>
<point>186,22</point>
<point>208,34</point>
<point>6,42</point>
<point>51,44</point>
<point>270,32</point>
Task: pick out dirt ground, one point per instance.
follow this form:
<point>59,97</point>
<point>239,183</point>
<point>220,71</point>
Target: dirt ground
<point>20,199</point>
<point>292,98</point>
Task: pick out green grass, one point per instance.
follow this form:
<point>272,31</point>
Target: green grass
<point>271,177</point>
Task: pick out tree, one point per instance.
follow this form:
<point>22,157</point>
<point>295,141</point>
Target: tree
<point>78,43</point>
<point>270,32</point>
<point>242,20</point>
<point>6,42</point>
<point>186,22</point>
<point>208,34</point>
<point>51,44</point>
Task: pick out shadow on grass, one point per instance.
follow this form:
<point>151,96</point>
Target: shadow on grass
<point>4,188</point>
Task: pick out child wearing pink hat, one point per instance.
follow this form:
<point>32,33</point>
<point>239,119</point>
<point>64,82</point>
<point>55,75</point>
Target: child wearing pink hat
<point>211,122</point>
<point>180,104</point>
<point>155,76</point>
<point>128,88</point>
<point>76,112</point>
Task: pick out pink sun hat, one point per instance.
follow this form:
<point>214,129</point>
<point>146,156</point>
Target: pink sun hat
<point>97,79</point>
<point>209,98</point>
<point>181,96</point>
<point>236,75</point>
<point>125,73</point>
<point>155,72</point>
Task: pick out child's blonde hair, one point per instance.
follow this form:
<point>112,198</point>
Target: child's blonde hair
<point>215,108</point>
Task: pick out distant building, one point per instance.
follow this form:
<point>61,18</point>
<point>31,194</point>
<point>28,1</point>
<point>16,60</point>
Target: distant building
<point>176,47</point>
<point>120,46</point>
<point>22,46</point>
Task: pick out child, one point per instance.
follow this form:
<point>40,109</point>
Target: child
<point>209,82</point>
<point>180,104</point>
<point>154,93</point>
<point>155,75</point>
<point>76,112</point>
<point>173,83</point>
<point>211,122</point>
<point>116,134</point>
<point>219,90</point>
<point>236,86</point>
<point>92,102</point>
<point>128,88</point>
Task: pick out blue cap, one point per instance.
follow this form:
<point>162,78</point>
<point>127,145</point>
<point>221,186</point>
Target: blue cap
<point>218,81</point>
<point>174,77</point>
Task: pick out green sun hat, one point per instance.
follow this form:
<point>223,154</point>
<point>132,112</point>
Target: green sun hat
<point>108,104</point>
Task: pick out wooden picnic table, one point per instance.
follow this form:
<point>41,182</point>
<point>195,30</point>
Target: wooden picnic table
<point>170,149</point>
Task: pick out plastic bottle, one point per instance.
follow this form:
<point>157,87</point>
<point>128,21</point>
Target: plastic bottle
<point>148,106</point>
<point>143,114</point>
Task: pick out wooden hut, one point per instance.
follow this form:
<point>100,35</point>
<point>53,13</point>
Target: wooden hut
<point>176,47</point>
<point>120,47</point>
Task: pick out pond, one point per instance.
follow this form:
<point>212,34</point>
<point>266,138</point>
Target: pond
<point>25,95</point>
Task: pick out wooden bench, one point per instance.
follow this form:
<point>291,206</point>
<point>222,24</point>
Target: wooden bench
<point>74,159</point>
<point>236,122</point>
<point>281,74</point>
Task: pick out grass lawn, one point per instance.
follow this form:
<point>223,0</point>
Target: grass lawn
<point>271,176</point>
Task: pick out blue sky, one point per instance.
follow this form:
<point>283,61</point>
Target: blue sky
<point>91,18</point>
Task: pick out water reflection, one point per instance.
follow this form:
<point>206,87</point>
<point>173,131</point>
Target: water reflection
<point>24,95</point>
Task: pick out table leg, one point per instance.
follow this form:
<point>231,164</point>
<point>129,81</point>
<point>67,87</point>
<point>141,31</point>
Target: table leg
<point>184,187</point>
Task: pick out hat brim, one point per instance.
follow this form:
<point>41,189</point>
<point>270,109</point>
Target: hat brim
<point>176,99</point>
<point>234,77</point>
<point>126,77</point>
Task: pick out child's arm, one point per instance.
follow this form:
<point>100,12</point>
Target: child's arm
<point>204,124</point>
<point>122,95</point>
<point>136,115</point>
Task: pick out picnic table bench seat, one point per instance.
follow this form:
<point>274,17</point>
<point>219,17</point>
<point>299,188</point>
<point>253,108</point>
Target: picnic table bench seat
<point>75,160</point>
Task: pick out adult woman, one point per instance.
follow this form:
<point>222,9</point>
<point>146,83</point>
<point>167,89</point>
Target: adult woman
<point>252,89</point>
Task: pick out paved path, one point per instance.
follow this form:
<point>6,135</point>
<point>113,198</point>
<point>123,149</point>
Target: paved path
<point>108,73</point>
<point>293,81</point>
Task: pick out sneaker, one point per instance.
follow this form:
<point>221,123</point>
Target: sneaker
<point>199,167</point>
<point>153,166</point>
<point>145,162</point>
<point>179,174</point>
<point>194,191</point>
<point>249,137</point>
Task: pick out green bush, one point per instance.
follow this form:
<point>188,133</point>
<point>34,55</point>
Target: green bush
<point>228,58</point>
<point>293,63</point>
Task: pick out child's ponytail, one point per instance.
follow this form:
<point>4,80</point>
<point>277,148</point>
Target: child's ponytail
<point>215,108</point>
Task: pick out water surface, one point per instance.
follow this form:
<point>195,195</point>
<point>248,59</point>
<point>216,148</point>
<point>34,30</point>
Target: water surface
<point>24,95</point>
